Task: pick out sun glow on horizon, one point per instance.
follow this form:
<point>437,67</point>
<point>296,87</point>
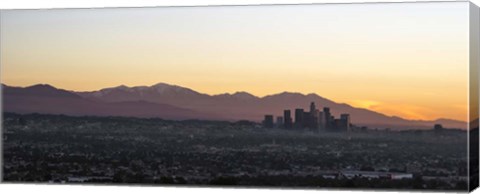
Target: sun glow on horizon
<point>407,111</point>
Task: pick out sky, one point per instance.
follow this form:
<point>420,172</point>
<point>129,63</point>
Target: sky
<point>400,59</point>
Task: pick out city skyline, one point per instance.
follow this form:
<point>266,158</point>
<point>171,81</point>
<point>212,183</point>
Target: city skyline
<point>313,119</point>
<point>371,57</point>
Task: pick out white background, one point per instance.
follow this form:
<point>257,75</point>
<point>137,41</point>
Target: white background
<point>25,4</point>
<point>73,189</point>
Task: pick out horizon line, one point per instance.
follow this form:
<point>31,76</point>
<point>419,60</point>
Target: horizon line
<point>260,97</point>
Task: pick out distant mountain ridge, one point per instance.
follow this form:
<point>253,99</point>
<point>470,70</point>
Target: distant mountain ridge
<point>236,106</point>
<point>47,99</point>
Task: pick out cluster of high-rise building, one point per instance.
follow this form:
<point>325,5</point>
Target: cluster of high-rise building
<point>313,119</point>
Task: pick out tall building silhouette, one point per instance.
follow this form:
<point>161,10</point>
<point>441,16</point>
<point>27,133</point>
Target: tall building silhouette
<point>313,117</point>
<point>344,122</point>
<point>299,120</point>
<point>306,120</point>
<point>328,117</point>
<point>288,123</point>
<point>312,107</point>
<point>321,120</point>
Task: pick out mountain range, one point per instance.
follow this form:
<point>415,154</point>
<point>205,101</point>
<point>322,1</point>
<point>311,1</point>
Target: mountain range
<point>176,102</point>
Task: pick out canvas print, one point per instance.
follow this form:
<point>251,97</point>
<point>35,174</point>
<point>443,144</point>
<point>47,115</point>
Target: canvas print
<point>345,96</point>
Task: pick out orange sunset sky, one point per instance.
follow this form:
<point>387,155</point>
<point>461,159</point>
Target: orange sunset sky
<point>408,59</point>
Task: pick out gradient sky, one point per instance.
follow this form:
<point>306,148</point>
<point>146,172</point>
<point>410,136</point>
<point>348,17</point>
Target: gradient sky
<point>403,59</point>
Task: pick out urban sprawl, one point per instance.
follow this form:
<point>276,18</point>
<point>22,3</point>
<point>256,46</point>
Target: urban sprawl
<point>59,149</point>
